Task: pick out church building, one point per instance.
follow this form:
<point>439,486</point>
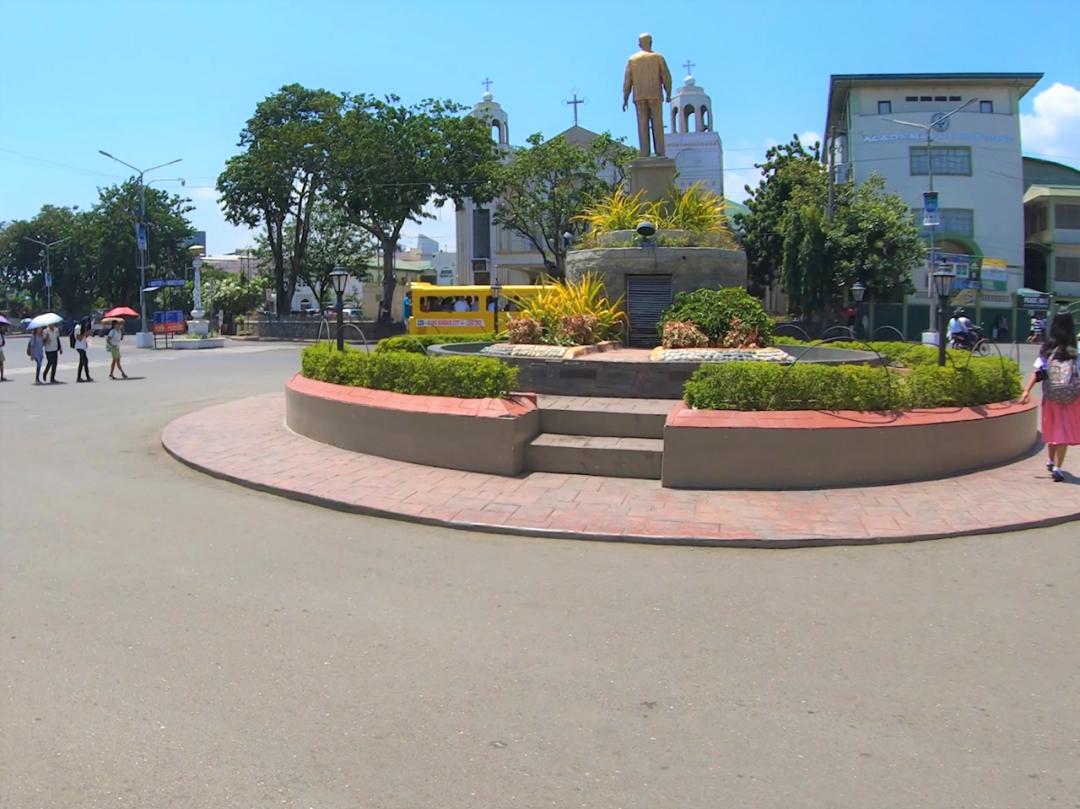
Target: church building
<point>483,247</point>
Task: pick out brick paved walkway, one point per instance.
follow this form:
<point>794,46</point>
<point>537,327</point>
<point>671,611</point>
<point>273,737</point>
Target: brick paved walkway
<point>247,442</point>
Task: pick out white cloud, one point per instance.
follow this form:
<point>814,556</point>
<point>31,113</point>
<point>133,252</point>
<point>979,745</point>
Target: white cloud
<point>809,138</point>
<point>1054,127</point>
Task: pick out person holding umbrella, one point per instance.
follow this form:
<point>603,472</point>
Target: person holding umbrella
<point>53,350</point>
<point>112,340</point>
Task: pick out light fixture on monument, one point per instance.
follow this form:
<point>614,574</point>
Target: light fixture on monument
<point>339,279</point>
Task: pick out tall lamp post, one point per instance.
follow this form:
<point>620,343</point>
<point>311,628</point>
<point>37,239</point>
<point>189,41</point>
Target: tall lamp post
<point>942,281</point>
<point>496,290</point>
<point>339,278</point>
<point>858,292</point>
<point>143,340</point>
<point>48,273</point>
<point>940,122</point>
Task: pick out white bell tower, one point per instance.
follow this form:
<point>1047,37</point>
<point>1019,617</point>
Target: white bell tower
<point>477,236</point>
<point>697,149</point>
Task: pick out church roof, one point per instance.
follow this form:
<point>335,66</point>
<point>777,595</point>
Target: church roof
<point>579,134</point>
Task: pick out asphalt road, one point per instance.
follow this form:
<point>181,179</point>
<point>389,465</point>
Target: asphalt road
<point>170,640</point>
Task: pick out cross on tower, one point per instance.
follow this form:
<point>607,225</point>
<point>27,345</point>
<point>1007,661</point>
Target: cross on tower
<point>689,67</point>
<point>487,84</point>
<point>573,102</point>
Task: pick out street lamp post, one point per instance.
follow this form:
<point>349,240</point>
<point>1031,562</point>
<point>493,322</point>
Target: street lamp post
<point>340,278</point>
<point>496,289</point>
<point>141,239</point>
<point>938,122</point>
<point>858,292</point>
<point>942,281</point>
<point>48,272</point>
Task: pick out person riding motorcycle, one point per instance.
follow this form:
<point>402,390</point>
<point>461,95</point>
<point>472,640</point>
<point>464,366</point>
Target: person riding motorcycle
<point>961,330</point>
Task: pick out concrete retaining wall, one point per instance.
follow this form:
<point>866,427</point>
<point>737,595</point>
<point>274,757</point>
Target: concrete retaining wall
<point>476,435</point>
<point>690,267</point>
<point>710,449</point>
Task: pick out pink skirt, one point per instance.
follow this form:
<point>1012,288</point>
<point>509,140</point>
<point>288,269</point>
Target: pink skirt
<point>1061,423</point>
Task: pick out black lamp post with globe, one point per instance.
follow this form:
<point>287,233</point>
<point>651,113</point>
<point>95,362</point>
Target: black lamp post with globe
<point>942,282</point>
<point>858,292</point>
<point>339,278</point>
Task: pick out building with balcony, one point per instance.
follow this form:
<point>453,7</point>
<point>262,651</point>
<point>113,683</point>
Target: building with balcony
<point>1052,230</point>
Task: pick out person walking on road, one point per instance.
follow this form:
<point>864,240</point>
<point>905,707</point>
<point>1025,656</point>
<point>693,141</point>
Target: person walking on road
<point>112,340</point>
<point>82,344</point>
<point>1058,368</point>
<point>35,350</point>
<point>53,349</point>
<point>3,342</point>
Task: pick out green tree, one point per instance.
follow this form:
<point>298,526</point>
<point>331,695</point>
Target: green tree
<point>274,183</point>
<point>874,239</point>
<point>333,241</point>
<point>109,240</point>
<point>548,183</point>
<point>232,294</point>
<point>787,168</point>
<point>389,160</point>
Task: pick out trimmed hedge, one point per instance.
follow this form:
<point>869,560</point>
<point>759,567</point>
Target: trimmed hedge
<point>418,343</point>
<point>404,372</point>
<point>765,386</point>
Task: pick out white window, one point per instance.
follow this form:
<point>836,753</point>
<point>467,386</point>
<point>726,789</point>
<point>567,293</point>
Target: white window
<point>954,221</point>
<point>986,106</point>
<point>1067,216</point>
<point>1067,269</point>
<point>947,160</point>
<point>884,108</point>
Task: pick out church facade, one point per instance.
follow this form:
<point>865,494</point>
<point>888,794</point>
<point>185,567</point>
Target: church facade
<point>485,248</point>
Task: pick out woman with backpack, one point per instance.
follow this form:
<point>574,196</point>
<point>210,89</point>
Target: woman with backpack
<point>1058,368</point>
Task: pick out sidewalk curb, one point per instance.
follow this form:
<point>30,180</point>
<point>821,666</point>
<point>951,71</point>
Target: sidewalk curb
<point>786,542</point>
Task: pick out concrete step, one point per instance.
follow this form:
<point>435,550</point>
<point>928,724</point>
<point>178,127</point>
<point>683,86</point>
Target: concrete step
<point>598,416</point>
<point>610,456</point>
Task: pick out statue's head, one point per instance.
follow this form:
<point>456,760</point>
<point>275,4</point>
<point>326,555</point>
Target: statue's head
<point>644,42</point>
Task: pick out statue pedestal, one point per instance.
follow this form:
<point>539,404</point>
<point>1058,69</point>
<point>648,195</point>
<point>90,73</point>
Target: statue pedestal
<point>652,175</point>
<point>197,325</point>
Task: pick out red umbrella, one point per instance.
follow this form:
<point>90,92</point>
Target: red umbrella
<point>120,311</point>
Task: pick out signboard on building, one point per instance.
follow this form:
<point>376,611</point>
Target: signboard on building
<point>1031,299</point>
<point>931,217</point>
<point>445,276</point>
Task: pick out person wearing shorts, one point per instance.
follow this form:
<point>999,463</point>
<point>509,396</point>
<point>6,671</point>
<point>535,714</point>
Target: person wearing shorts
<point>113,342</point>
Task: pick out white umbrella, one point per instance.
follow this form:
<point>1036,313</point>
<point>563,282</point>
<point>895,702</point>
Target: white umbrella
<point>41,321</point>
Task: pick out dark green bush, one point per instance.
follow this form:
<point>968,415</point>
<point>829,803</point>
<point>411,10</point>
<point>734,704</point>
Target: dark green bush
<point>418,343</point>
<point>405,372</point>
<point>718,312</point>
<point>764,386</point>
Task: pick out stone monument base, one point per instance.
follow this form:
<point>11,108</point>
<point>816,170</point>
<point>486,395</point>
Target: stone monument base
<point>652,175</point>
<point>200,328</point>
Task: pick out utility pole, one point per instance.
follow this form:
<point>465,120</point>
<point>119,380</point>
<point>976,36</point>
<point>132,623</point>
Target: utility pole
<point>935,123</point>
<point>141,242</point>
<point>832,174</point>
<point>48,272</point>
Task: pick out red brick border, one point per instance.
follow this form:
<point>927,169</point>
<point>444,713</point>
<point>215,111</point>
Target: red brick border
<point>247,442</point>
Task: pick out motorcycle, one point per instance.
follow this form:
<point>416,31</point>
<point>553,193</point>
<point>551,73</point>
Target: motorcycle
<point>973,340</point>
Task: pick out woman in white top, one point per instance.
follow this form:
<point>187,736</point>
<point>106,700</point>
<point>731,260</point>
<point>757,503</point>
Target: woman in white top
<point>112,340</point>
<point>82,343</point>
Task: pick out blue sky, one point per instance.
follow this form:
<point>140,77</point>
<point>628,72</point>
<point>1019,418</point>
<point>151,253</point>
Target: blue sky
<point>152,81</point>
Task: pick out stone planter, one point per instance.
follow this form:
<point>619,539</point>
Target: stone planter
<point>187,344</point>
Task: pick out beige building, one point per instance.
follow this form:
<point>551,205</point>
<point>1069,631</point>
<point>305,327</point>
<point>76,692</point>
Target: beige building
<point>1052,230</point>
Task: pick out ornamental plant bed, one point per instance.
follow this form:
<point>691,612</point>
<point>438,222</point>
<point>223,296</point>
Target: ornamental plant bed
<point>404,372</point>
<point>764,386</point>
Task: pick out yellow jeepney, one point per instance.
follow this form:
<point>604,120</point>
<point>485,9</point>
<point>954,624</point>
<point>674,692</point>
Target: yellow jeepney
<point>435,309</point>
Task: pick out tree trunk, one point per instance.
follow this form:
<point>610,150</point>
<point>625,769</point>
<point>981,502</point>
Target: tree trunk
<point>389,281</point>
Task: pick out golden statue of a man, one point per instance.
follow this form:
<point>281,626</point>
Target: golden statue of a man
<point>648,76</point>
